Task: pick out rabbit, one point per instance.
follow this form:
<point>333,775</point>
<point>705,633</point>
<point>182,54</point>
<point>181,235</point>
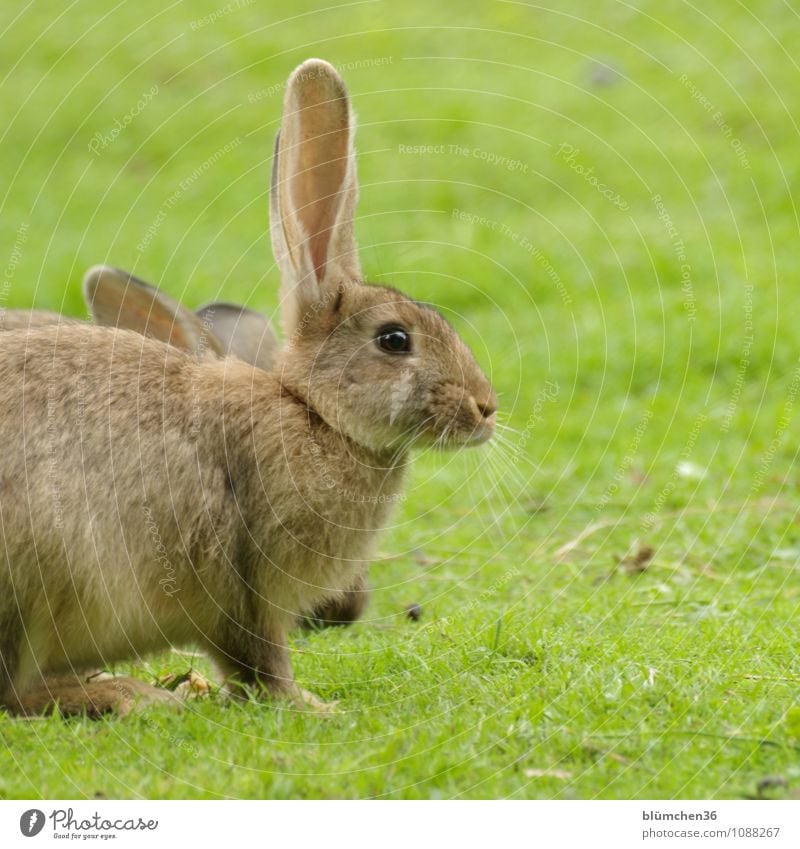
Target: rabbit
<point>231,330</point>
<point>150,497</point>
<point>116,298</point>
<point>24,319</point>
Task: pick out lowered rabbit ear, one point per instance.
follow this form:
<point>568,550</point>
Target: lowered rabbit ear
<point>118,299</point>
<point>314,189</point>
<point>243,333</point>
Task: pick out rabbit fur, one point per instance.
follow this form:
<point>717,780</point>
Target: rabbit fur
<point>152,497</point>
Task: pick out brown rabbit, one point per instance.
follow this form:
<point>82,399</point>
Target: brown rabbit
<point>26,319</point>
<point>150,497</point>
<point>116,298</point>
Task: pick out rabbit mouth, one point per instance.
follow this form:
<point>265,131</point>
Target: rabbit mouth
<point>455,434</point>
<point>480,433</point>
<point>472,423</point>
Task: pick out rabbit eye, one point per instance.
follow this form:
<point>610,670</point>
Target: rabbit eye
<point>394,340</point>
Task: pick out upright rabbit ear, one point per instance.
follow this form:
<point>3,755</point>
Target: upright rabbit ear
<point>243,333</point>
<point>314,189</point>
<point>118,299</point>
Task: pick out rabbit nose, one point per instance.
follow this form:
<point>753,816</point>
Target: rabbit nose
<point>487,407</point>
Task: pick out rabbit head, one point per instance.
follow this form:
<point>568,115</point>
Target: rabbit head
<point>384,370</point>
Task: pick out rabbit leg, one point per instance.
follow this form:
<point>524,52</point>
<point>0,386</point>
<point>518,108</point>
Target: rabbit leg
<point>75,695</point>
<point>262,666</point>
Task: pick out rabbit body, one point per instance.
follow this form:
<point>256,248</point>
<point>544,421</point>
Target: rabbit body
<point>116,298</point>
<point>212,528</point>
<point>153,496</point>
<point>28,319</point>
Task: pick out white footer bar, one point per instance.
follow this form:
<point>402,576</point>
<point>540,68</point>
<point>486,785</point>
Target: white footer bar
<point>405,825</point>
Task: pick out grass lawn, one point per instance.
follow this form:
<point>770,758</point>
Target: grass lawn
<point>600,199</point>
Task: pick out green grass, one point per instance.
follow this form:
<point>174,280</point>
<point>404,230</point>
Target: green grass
<point>543,665</point>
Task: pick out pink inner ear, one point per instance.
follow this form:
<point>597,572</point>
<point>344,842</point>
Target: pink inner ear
<point>321,163</point>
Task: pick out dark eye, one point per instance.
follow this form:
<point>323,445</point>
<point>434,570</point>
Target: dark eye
<point>394,340</point>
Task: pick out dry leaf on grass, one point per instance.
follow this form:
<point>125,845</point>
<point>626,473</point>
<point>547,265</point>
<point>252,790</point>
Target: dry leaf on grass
<point>190,685</point>
<point>637,561</point>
